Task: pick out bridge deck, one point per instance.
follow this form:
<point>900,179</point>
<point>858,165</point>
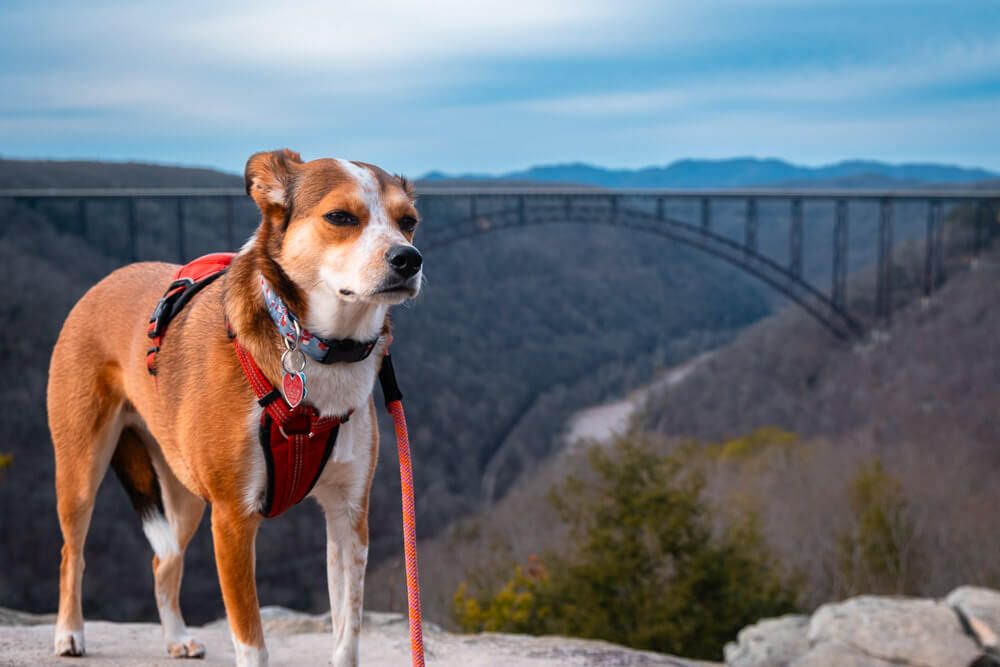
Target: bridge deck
<point>917,194</point>
<point>544,204</point>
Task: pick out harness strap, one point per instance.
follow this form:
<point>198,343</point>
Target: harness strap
<point>267,396</point>
<point>188,281</point>
<point>296,442</point>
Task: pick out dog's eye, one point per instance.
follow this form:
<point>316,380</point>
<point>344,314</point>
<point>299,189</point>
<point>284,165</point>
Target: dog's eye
<point>407,223</point>
<point>341,219</point>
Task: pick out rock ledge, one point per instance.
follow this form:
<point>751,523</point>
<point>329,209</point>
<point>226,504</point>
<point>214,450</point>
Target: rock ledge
<point>869,631</point>
<point>296,639</point>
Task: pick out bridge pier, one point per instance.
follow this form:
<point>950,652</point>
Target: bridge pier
<point>795,240</point>
<point>979,236</point>
<point>230,223</point>
<point>750,237</point>
<point>883,287</point>
<point>839,286</point>
<point>932,257</point>
<point>133,253</point>
<point>181,242</point>
<point>81,217</point>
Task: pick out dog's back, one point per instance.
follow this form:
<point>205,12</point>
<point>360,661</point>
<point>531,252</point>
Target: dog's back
<point>99,348</point>
<point>97,357</point>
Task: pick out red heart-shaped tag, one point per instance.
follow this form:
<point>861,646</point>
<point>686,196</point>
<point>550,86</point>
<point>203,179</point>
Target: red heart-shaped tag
<point>293,386</point>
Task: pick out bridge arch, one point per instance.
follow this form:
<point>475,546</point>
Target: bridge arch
<point>831,315</point>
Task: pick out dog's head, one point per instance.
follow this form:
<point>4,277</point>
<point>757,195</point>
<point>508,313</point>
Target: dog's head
<point>344,227</point>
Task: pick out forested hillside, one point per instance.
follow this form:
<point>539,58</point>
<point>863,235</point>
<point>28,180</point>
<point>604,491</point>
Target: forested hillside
<point>867,467</point>
<point>512,332</point>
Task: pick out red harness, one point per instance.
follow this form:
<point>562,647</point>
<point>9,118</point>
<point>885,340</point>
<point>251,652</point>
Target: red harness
<point>296,442</point>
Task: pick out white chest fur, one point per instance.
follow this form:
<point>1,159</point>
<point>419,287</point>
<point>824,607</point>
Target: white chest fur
<point>337,389</point>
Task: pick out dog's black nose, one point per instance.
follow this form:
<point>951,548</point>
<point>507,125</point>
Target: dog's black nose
<point>405,259</point>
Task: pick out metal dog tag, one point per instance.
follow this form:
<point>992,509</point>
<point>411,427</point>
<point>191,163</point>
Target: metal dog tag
<point>293,383</point>
<point>293,386</point>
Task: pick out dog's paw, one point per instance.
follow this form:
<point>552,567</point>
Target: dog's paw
<point>68,643</point>
<point>186,649</point>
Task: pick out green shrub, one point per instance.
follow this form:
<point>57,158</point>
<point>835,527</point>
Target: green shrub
<point>645,568</point>
<point>517,607</point>
<point>878,552</point>
<point>756,442</point>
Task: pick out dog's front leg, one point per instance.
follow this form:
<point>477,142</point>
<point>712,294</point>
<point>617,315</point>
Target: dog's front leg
<point>346,558</point>
<point>234,533</point>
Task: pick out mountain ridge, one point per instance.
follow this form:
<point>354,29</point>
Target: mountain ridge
<point>684,173</point>
<point>735,172</point>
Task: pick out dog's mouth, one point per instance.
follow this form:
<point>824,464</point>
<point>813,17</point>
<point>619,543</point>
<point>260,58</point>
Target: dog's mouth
<point>399,288</point>
<point>393,292</point>
<point>406,289</point>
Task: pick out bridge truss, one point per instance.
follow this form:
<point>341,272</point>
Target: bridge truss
<point>489,211</point>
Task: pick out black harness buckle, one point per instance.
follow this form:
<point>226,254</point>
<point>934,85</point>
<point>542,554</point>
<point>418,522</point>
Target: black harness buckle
<point>165,306</point>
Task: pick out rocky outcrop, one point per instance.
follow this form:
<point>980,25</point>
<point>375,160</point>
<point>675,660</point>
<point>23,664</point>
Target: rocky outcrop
<point>869,631</point>
<point>771,642</point>
<point>894,631</point>
<point>959,631</point>
<point>296,639</point>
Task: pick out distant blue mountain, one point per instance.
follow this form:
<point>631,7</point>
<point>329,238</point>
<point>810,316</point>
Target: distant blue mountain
<point>739,172</point>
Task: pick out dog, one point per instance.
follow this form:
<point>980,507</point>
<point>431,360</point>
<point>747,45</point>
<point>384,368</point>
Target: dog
<point>335,243</point>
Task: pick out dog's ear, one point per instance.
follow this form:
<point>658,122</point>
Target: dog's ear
<point>407,186</point>
<point>269,177</point>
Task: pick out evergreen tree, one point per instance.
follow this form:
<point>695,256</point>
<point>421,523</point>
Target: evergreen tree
<point>646,569</point>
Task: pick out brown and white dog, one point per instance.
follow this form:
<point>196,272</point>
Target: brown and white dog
<point>329,243</point>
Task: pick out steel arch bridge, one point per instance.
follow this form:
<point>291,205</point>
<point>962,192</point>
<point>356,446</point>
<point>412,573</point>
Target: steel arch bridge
<point>491,210</point>
<point>473,212</point>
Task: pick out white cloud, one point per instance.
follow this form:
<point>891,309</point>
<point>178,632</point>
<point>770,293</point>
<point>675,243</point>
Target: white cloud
<point>303,64</point>
<point>370,36</point>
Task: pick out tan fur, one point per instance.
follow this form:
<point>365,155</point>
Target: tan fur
<point>195,416</point>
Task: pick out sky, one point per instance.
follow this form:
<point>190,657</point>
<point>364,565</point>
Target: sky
<point>492,86</point>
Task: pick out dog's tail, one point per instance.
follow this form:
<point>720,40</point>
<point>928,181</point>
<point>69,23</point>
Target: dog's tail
<point>134,468</point>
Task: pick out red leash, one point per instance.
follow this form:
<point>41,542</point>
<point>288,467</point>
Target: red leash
<point>394,404</point>
<point>409,533</point>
